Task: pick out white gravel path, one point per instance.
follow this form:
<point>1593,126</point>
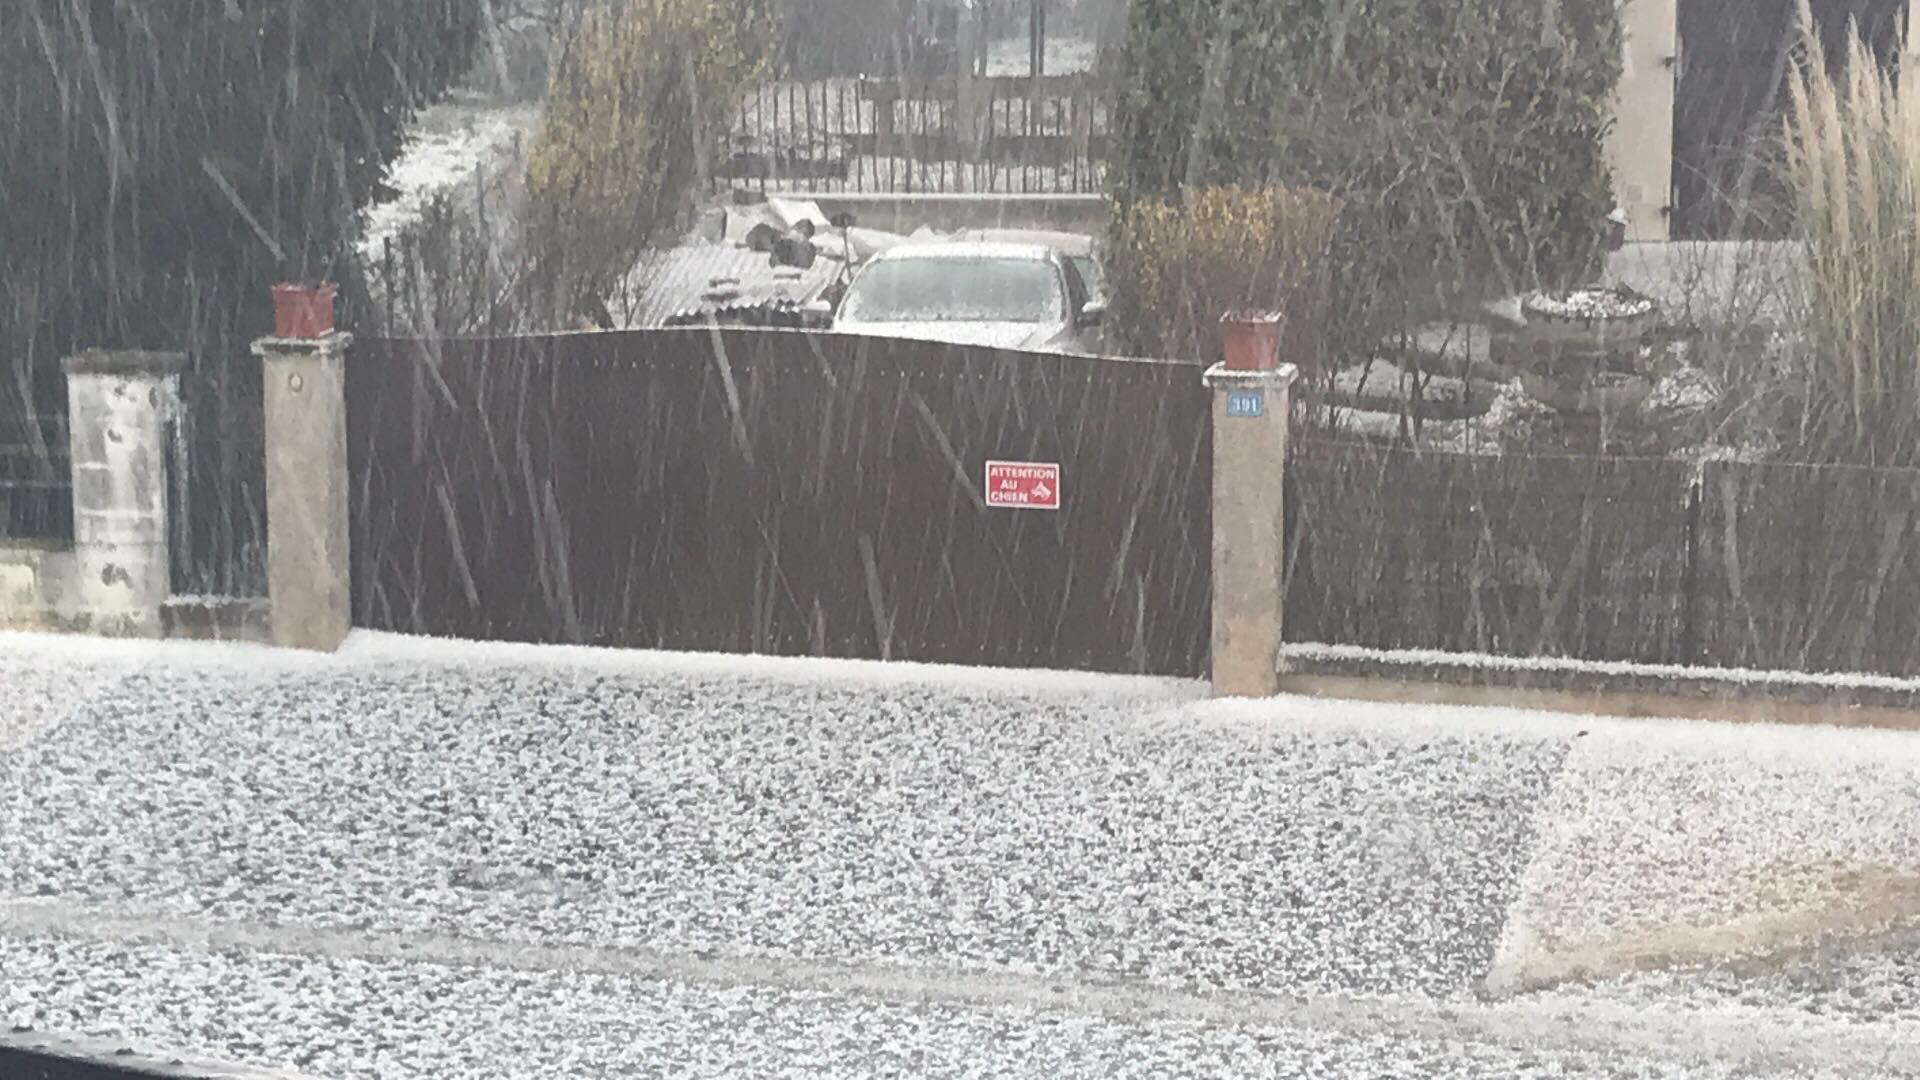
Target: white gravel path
<point>422,860</point>
<point>350,1018</point>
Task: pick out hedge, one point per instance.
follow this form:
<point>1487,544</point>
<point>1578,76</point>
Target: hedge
<point>1173,267</point>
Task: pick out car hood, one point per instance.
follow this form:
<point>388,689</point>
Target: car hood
<point>998,335</point>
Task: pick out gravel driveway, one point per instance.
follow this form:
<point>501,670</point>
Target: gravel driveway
<point>427,860</point>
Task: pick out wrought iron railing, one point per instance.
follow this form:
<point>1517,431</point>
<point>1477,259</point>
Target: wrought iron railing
<point>1007,134</point>
<point>36,480</point>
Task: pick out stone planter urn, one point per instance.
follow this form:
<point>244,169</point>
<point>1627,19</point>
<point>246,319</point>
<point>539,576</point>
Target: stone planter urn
<point>1579,352</point>
<point>1610,392</point>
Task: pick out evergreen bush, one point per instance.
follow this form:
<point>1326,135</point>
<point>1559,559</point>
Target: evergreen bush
<point>1464,140</point>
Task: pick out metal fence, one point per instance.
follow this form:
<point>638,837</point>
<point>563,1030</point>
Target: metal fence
<point>780,492</point>
<point>215,476</point>
<point>991,134</point>
<point>1810,568</point>
<point>36,479</point>
<point>216,502</point>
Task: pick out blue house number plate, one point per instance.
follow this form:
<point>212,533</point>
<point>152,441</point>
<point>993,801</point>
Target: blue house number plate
<point>1246,402</point>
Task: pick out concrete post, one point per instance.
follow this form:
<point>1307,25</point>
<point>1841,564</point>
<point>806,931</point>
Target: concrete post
<point>1250,413</point>
<point>118,404</point>
<point>306,432</point>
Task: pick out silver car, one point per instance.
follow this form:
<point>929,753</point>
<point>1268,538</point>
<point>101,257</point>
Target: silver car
<point>1011,296</point>
<point>1080,249</point>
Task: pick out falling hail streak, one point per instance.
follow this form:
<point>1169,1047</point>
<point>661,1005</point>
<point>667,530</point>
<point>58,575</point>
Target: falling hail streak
<point>882,621</point>
<point>239,205</point>
<point>732,391</point>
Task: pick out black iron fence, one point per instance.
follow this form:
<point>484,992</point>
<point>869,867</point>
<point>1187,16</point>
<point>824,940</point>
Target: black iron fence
<point>217,524</point>
<point>940,135</point>
<point>36,479</point>
<point>216,483</point>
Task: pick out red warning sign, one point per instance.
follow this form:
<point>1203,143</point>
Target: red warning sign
<point>1024,485</point>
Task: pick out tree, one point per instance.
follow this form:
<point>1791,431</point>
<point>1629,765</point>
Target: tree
<point>1465,140</point>
<point>639,100</point>
<point>162,162</point>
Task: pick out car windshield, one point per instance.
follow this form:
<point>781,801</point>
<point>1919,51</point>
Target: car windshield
<point>984,289</point>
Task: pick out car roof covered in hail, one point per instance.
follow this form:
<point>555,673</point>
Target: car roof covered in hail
<point>958,249</point>
<point>1066,243</point>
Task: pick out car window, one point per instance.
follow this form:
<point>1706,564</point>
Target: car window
<point>982,289</point>
<point>1088,268</point>
<point>1076,286</point>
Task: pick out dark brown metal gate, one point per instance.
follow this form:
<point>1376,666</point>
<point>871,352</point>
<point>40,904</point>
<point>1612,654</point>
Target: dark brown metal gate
<point>777,492</point>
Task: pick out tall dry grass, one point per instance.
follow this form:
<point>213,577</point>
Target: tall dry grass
<point>1853,166</point>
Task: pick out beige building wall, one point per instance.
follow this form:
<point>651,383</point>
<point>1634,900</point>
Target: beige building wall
<point>1640,146</point>
<point>1911,43</point>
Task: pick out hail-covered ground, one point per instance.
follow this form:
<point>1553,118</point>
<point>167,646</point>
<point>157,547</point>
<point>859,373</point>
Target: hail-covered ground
<point>446,861</point>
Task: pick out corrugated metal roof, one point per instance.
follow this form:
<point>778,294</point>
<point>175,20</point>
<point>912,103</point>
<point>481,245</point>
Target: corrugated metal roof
<point>699,280</point>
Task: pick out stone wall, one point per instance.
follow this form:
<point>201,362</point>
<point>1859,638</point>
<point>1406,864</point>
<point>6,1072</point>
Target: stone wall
<point>37,583</point>
<point>114,577</point>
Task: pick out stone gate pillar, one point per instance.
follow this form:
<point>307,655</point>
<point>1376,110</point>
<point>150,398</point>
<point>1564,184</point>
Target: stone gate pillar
<point>1250,413</point>
<point>307,571</point>
<point>118,405</point>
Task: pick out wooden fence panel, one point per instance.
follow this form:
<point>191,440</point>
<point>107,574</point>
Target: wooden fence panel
<point>1515,555</point>
<point>1810,568</point>
<point>779,492</point>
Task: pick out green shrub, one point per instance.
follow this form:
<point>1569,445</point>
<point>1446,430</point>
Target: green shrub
<point>1174,267</point>
<point>1465,140</point>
